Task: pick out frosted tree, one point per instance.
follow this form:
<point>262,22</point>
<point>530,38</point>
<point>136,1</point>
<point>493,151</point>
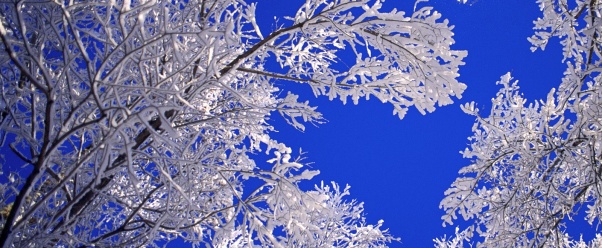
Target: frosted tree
<point>536,166</point>
<point>135,121</point>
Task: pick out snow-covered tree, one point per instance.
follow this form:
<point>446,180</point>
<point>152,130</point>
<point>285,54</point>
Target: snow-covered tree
<point>536,166</point>
<point>135,121</point>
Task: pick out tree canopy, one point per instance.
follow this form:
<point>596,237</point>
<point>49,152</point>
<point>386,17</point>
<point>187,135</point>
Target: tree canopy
<point>136,120</point>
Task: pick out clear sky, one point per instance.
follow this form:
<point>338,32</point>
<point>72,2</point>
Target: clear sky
<point>401,168</point>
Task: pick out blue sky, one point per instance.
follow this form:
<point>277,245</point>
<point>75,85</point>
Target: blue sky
<point>400,168</point>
